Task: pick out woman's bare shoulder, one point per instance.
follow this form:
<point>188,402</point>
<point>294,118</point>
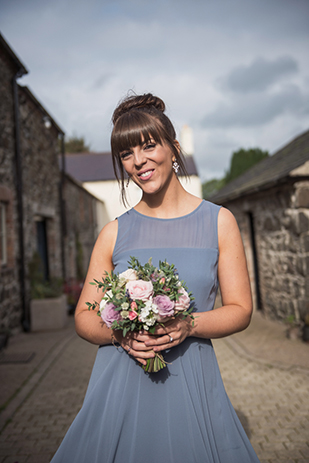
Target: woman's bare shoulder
<point>226,218</point>
<point>227,226</point>
<point>108,235</point>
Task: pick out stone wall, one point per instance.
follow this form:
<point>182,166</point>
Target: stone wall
<point>280,218</point>
<point>10,302</point>
<point>41,181</point>
<point>81,228</point>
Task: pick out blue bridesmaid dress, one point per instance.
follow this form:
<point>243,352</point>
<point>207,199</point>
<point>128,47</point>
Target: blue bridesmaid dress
<point>181,414</point>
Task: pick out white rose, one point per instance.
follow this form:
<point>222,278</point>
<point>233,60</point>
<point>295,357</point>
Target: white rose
<point>102,304</point>
<point>128,275</point>
<point>105,300</point>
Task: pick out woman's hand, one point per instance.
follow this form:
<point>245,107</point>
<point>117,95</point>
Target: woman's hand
<point>135,345</point>
<point>174,332</point>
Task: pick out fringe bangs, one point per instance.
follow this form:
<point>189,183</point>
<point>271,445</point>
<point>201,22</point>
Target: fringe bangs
<point>133,129</point>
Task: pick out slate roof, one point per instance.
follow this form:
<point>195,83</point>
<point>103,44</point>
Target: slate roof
<point>96,167</point>
<point>13,57</point>
<point>90,167</point>
<point>268,172</point>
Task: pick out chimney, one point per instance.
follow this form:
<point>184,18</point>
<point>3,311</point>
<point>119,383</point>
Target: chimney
<point>186,140</point>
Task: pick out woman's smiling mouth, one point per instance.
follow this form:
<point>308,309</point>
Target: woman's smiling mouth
<point>146,175</point>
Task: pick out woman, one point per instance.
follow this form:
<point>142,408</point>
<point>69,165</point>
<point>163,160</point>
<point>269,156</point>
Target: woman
<point>182,413</point>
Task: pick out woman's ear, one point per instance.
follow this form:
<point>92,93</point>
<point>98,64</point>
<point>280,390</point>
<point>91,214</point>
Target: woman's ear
<point>177,145</point>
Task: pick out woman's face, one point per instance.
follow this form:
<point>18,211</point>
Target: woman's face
<point>149,165</point>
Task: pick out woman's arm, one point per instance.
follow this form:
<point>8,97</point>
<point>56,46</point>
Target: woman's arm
<point>88,324</point>
<point>235,314</point>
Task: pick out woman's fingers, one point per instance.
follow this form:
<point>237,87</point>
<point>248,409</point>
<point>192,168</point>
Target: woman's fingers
<point>168,339</point>
<point>140,356</point>
<point>139,346</point>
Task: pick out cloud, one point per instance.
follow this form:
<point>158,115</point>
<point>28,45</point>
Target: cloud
<point>260,74</point>
<point>83,56</point>
<point>101,80</point>
<point>258,109</point>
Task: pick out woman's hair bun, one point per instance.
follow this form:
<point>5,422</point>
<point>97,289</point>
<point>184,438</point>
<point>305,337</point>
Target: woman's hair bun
<point>131,102</point>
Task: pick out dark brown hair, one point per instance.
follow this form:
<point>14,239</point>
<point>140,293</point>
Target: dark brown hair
<point>139,118</point>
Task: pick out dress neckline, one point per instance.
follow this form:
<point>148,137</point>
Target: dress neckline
<point>173,218</point>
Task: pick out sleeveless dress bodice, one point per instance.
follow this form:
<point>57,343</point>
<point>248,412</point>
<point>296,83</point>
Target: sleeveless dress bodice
<point>190,242</point>
<point>180,414</point>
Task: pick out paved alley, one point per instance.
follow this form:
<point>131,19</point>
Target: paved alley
<point>266,377</point>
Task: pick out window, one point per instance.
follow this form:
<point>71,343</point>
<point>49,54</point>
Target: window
<point>3,234</point>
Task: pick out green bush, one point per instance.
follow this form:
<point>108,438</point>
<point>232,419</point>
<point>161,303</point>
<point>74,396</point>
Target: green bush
<point>39,287</point>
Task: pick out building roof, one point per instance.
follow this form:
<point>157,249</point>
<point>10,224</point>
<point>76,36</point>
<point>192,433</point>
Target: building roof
<point>268,172</point>
<point>20,68</point>
<point>98,167</point>
<point>190,165</point>
<point>90,167</point>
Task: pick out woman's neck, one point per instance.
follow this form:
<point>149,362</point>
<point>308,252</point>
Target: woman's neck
<point>170,204</point>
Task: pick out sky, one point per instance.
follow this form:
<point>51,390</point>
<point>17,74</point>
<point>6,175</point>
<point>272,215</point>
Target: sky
<point>235,71</point>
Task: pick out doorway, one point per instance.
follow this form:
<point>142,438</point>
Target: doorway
<point>255,262</point>
<point>43,246</point>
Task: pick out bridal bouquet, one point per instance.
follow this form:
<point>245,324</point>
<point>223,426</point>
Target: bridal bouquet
<point>142,298</point>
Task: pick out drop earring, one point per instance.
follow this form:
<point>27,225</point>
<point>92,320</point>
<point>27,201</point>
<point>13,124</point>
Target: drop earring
<point>175,166</point>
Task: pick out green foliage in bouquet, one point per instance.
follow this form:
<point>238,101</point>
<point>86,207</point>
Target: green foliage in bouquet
<point>142,298</point>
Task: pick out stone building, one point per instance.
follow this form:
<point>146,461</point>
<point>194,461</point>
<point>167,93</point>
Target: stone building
<point>11,286</point>
<point>82,226</point>
<point>271,204</point>
<point>42,210</point>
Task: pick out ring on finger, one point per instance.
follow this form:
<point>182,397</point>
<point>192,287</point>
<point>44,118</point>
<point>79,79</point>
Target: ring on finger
<point>129,350</point>
<point>171,339</point>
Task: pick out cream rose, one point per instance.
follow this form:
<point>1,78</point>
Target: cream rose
<point>128,275</point>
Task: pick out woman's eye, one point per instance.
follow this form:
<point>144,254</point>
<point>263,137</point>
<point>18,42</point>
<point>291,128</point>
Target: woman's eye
<point>125,154</point>
<point>150,146</point>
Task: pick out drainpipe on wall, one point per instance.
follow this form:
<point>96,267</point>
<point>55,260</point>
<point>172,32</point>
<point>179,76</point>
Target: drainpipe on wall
<point>62,206</point>
<point>25,319</point>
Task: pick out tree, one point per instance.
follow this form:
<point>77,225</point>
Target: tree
<point>211,187</point>
<point>75,144</point>
<point>242,160</point>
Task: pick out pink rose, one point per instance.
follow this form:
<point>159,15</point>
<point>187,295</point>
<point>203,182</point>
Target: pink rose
<point>132,314</point>
<point>183,302</point>
<point>139,289</point>
<point>165,306</point>
<point>133,305</point>
<point>109,314</point>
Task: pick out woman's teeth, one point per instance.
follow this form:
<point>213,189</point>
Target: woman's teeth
<point>145,174</point>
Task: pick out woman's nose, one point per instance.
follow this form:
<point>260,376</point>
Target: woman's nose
<point>139,157</point>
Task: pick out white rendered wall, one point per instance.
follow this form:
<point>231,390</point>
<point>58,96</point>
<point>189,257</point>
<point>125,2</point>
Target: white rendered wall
<point>108,191</point>
<point>193,185</point>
